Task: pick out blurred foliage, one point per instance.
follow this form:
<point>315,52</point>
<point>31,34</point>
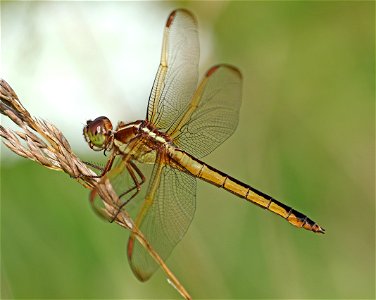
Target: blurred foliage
<point>306,136</point>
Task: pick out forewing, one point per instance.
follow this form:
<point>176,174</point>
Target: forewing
<point>177,76</point>
<point>164,218</point>
<point>213,112</point>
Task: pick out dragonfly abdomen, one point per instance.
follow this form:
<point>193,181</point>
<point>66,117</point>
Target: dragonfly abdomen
<point>205,172</point>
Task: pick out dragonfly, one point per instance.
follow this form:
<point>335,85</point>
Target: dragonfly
<point>160,155</point>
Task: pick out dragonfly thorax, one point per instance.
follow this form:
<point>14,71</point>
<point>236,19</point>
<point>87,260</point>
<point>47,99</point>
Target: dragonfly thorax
<point>139,138</point>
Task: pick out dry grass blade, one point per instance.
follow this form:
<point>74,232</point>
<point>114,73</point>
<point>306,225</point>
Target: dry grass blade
<point>45,144</point>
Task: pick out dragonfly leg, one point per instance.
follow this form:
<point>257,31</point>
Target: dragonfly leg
<point>103,170</point>
<point>131,167</point>
<point>134,178</point>
<point>90,164</point>
<point>100,168</point>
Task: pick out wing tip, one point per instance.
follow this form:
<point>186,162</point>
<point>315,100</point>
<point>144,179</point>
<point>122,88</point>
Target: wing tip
<point>171,18</point>
<point>173,14</point>
<point>136,271</point>
<point>230,67</point>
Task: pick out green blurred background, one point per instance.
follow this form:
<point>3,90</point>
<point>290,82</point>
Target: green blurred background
<point>306,136</point>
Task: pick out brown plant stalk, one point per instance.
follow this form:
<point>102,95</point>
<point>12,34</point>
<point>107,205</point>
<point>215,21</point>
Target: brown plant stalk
<point>45,144</point>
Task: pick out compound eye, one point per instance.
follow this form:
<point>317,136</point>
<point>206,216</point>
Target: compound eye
<point>97,133</point>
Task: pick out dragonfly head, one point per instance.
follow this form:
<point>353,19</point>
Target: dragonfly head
<point>98,134</point>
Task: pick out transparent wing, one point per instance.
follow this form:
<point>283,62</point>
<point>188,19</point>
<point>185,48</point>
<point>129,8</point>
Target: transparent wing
<point>213,112</point>
<point>177,76</point>
<point>164,218</point>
